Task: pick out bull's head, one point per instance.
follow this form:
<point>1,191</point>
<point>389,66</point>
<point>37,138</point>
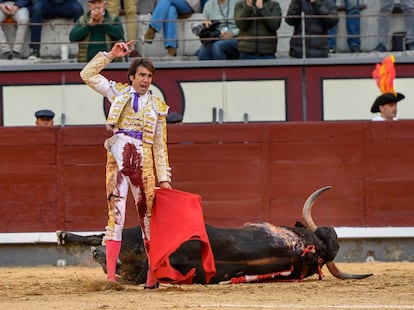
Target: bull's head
<point>307,217</point>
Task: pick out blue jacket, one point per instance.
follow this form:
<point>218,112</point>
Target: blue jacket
<point>19,3</point>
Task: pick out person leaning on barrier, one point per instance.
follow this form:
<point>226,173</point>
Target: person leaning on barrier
<point>384,23</point>
<point>384,74</point>
<point>258,21</point>
<point>320,16</point>
<point>218,15</point>
<point>46,9</point>
<point>97,30</point>
<point>19,12</point>
<point>137,155</point>
<point>44,117</point>
<point>386,105</point>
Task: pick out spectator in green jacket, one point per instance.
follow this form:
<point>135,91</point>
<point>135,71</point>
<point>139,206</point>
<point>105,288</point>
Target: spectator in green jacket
<point>97,30</point>
<point>258,21</point>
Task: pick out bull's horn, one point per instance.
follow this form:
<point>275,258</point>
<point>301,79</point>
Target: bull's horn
<point>333,269</point>
<point>307,208</point>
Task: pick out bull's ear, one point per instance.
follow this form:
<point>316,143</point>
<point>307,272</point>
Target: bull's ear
<point>299,224</point>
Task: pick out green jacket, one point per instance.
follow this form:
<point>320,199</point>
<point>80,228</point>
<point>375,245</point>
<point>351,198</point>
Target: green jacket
<point>93,39</point>
<point>258,27</point>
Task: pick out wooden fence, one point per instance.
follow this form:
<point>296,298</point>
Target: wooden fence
<point>53,178</point>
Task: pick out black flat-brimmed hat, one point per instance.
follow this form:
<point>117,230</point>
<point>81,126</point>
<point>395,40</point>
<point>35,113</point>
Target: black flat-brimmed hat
<point>174,117</point>
<point>384,99</point>
<point>45,114</point>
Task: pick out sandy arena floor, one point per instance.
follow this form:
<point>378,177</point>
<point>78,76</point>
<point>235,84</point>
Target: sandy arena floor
<point>391,287</point>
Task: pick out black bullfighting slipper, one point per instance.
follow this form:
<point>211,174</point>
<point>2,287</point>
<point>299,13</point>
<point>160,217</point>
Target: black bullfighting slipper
<point>156,285</point>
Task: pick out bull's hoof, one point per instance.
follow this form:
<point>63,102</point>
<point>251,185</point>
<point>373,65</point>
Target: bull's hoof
<point>60,237</point>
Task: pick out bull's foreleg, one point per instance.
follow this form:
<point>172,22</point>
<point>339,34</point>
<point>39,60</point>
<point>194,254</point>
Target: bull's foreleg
<point>99,256</point>
<point>64,237</point>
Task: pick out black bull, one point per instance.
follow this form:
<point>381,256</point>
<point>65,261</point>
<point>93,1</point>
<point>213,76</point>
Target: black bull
<point>276,252</point>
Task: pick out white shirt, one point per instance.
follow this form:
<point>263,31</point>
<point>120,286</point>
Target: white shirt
<point>142,100</point>
<point>380,118</point>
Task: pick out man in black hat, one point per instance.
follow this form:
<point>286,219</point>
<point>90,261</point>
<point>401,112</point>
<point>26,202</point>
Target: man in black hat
<point>44,118</point>
<point>386,105</point>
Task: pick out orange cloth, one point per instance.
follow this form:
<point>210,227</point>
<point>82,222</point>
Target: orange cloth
<point>177,217</point>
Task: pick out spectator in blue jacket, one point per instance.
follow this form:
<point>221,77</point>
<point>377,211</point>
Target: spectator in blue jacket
<point>45,9</point>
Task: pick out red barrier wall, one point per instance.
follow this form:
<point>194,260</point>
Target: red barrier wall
<point>53,178</point>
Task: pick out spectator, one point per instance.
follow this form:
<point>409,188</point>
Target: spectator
<point>44,118</point>
<point>386,105</point>
<point>164,17</point>
<point>19,12</point>
<point>316,28</point>
<point>384,23</point>
<point>225,46</point>
<point>257,19</point>
<point>45,9</point>
<point>353,28</point>
<point>97,30</point>
<point>174,118</point>
<point>130,8</point>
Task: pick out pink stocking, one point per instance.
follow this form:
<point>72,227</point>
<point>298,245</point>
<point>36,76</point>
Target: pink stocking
<point>112,252</point>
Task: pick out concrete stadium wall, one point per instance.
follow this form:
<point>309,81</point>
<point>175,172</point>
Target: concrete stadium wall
<point>55,32</point>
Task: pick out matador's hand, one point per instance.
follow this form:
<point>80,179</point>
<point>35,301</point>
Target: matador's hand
<point>120,49</point>
<point>165,185</point>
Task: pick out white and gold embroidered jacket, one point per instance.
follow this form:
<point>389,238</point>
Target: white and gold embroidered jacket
<point>150,120</point>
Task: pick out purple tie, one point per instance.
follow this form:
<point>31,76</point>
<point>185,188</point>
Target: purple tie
<point>135,105</point>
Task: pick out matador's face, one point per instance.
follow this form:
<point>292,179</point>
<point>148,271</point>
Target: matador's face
<point>142,80</point>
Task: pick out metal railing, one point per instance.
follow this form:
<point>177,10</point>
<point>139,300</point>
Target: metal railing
<point>369,34</point>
